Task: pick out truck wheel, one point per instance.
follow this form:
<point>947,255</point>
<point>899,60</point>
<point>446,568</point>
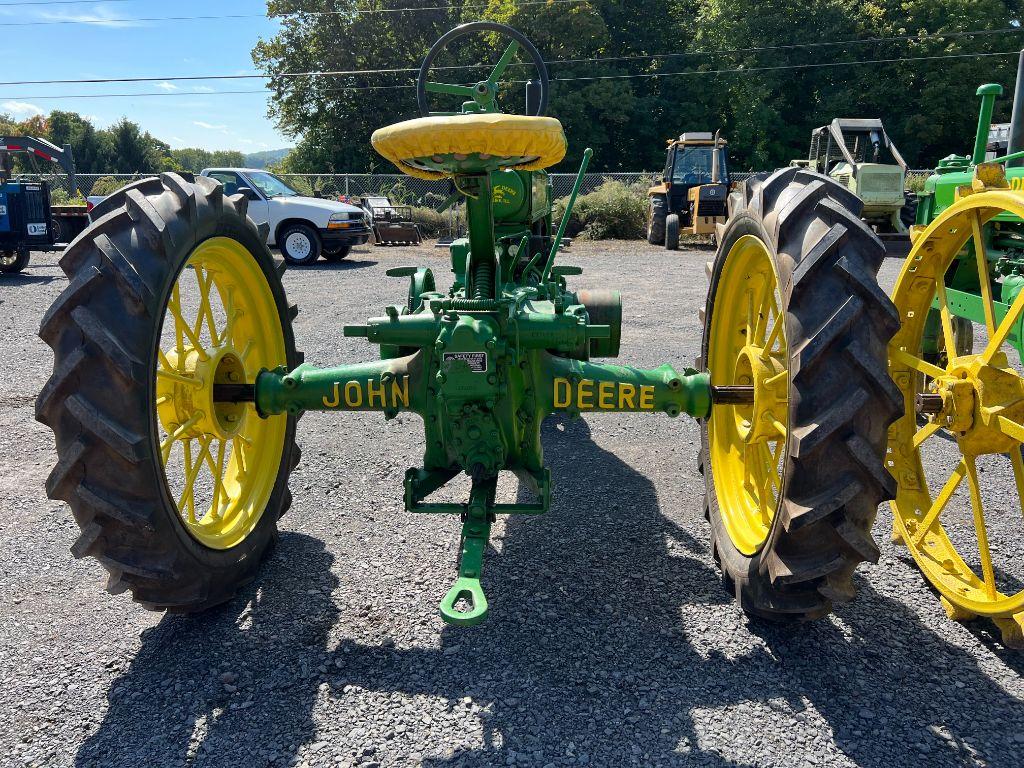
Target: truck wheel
<point>793,480</point>
<point>337,254</point>
<point>300,244</point>
<point>672,232</point>
<point>656,220</point>
<point>12,262</point>
<point>171,293</point>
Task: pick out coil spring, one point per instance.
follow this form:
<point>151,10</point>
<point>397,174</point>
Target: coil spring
<point>483,280</point>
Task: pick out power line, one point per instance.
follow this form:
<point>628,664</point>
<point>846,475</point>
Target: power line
<point>61,2</point>
<point>645,75</point>
<point>638,57</point>
<point>235,16</point>
<point>200,94</point>
<point>745,70</point>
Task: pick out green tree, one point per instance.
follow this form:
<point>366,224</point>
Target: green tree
<point>229,158</point>
<point>627,76</point>
<point>133,150</point>
<point>776,97</point>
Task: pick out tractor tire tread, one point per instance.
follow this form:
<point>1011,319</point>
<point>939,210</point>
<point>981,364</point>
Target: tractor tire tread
<point>97,400</point>
<point>657,210</point>
<point>838,325</point>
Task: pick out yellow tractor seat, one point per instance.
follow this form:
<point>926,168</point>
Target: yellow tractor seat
<point>436,147</point>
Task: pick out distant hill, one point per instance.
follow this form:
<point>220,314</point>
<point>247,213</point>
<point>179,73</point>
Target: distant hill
<point>263,159</point>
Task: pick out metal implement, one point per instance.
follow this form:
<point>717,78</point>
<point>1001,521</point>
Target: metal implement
<point>28,222</point>
<point>392,224</point>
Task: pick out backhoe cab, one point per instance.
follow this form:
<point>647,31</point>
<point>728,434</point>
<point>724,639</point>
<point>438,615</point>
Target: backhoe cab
<point>691,197</point>
<point>860,155</point>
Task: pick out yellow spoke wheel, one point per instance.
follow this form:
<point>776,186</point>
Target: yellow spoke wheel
<point>975,419</point>
<point>748,348</point>
<point>221,327</point>
<point>795,471</point>
<point>173,299</point>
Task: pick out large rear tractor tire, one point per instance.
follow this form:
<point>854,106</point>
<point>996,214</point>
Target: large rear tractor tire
<point>656,220</point>
<point>177,490</point>
<point>794,479</point>
<point>958,462</point>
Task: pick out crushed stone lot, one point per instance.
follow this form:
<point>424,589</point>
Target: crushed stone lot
<point>610,640</point>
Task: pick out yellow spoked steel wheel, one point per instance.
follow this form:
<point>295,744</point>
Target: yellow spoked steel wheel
<point>220,458</point>
<point>174,305</point>
<point>950,511</point>
<point>748,348</point>
<point>795,337</point>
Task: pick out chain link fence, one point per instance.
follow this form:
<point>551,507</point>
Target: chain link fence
<point>430,193</point>
<point>404,190</point>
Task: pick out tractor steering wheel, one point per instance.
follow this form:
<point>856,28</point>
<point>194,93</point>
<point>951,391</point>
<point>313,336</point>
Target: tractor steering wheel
<point>484,93</point>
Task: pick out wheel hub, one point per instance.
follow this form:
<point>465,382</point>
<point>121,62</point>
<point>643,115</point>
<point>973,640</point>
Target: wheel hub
<point>298,244</point>
<point>187,402</point>
<point>974,397</point>
<point>759,421</point>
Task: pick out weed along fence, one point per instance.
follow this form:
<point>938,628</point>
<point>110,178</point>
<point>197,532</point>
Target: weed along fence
<point>405,190</point>
<point>402,189</point>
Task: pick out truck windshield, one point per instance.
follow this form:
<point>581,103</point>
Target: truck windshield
<point>270,185</point>
<point>693,166</point>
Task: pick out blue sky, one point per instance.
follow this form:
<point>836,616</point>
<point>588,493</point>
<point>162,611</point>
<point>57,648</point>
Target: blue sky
<point>112,48</point>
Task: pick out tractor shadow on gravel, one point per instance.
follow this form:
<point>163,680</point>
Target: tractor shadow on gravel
<point>353,262</point>
<point>173,707</point>
<point>611,643</point>
<point>639,658</point>
<point>23,279</point>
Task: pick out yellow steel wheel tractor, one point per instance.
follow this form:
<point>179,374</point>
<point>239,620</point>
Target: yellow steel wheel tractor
<point>960,439</point>
<point>794,474</point>
<point>173,295</point>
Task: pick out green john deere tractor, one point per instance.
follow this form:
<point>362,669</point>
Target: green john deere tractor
<point>957,362</point>
<point>177,387</point>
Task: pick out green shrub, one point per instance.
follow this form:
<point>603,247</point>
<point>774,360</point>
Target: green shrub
<point>434,223</point>
<point>300,184</point>
<point>60,196</point>
<point>915,182</point>
<point>612,211</point>
<point>107,185</point>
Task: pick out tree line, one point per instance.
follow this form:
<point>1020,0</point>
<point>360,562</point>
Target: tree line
<point>122,148</point>
<point>626,76</point>
<point>629,74</point>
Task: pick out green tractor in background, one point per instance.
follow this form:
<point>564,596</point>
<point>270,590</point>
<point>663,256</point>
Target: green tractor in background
<point>957,362</point>
<point>176,388</point>
<point>859,154</point>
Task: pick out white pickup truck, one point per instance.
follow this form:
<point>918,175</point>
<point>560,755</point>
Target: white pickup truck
<point>303,228</point>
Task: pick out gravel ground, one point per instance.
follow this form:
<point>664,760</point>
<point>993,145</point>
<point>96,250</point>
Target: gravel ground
<point>610,642</point>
